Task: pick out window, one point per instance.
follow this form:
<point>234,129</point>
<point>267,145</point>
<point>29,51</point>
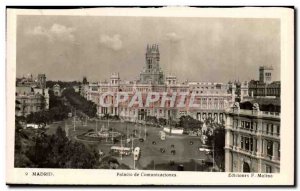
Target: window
<point>251,144</point>
<point>270,148</point>
<point>255,149</point>
<point>247,144</point>
<point>268,169</point>
<point>278,150</point>
<point>247,125</point>
<point>242,142</point>
<point>271,128</point>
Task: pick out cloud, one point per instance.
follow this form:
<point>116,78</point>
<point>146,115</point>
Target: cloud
<point>55,32</point>
<point>173,37</point>
<point>114,42</point>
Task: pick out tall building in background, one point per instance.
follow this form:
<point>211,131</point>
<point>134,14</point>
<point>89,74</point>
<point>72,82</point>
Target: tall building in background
<point>56,90</point>
<point>265,74</point>
<point>41,81</point>
<point>152,73</point>
<point>264,86</point>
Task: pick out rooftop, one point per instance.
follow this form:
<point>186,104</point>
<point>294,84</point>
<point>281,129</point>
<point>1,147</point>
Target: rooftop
<point>265,104</point>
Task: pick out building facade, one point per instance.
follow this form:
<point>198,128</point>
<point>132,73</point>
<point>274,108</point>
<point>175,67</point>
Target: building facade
<point>57,90</point>
<point>212,98</point>
<point>29,103</point>
<point>31,95</point>
<point>264,86</point>
<point>252,138</point>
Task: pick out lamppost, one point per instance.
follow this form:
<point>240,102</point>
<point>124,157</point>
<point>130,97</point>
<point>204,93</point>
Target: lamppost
<point>145,132</point>
<point>121,149</point>
<point>213,150</point>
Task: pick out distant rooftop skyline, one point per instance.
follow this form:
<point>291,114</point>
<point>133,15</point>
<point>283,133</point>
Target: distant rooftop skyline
<point>67,48</point>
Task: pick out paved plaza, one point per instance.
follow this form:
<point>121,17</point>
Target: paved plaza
<point>152,157</point>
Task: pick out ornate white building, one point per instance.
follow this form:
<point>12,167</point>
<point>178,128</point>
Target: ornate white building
<point>212,98</point>
<point>252,139</point>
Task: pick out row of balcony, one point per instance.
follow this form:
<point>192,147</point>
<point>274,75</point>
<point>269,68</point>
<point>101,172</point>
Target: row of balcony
<point>256,154</point>
<point>257,132</point>
<point>255,113</point>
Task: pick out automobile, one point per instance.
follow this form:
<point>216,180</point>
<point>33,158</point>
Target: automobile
<point>141,140</point>
<point>180,167</point>
<point>191,142</point>
<point>172,146</point>
<point>162,150</point>
<point>153,142</point>
<point>137,153</point>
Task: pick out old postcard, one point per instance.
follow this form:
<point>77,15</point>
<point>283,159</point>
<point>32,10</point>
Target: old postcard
<point>152,96</point>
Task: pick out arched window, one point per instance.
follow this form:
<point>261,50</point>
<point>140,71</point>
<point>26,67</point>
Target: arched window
<point>246,167</point>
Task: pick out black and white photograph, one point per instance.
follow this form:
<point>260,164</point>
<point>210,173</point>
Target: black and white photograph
<point>152,94</point>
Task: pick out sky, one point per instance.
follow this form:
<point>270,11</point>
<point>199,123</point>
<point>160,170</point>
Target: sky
<point>194,49</point>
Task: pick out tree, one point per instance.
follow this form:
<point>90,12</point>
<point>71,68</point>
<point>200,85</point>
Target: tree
<point>80,103</point>
<point>151,119</point>
<point>189,123</point>
<point>162,121</point>
<point>57,151</point>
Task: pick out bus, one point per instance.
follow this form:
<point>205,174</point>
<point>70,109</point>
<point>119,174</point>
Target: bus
<point>117,150</point>
<point>136,153</point>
